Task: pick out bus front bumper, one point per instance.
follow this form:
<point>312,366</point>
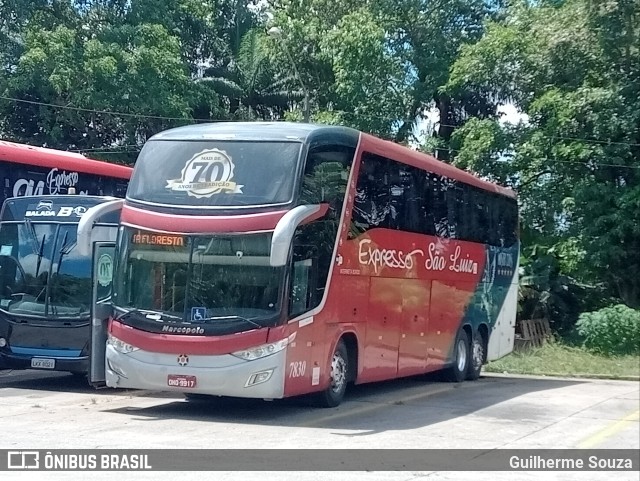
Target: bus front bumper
<point>9,360</point>
<point>223,375</point>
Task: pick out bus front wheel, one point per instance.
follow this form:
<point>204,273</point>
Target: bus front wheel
<point>458,370</point>
<point>339,369</point>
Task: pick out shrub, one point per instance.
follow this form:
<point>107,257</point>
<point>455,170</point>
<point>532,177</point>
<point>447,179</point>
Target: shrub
<point>612,330</point>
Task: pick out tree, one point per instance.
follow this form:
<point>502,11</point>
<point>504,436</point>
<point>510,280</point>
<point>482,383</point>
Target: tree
<point>248,83</point>
<point>574,68</point>
<point>116,79</point>
<point>379,66</point>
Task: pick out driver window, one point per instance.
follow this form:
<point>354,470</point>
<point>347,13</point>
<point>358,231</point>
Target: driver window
<point>325,176</point>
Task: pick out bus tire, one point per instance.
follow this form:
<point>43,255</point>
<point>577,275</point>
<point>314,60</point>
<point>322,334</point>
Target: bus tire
<point>334,394</point>
<point>476,356</point>
<point>458,370</point>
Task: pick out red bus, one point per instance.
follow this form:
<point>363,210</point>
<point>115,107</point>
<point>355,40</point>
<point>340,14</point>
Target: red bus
<point>269,260</point>
<point>27,170</point>
<point>45,283</point>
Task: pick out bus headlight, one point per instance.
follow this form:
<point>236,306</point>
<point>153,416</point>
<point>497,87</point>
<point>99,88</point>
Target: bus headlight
<point>264,350</point>
<point>120,346</point>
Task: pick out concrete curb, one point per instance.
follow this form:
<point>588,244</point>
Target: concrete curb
<point>566,376</point>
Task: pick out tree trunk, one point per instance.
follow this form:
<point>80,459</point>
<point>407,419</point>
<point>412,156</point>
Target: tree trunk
<point>445,130</point>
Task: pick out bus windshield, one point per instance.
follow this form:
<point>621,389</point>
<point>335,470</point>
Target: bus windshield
<point>215,173</point>
<point>41,272</point>
<point>213,279</point>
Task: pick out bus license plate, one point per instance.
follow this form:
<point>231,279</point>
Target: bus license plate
<point>179,380</point>
<point>40,363</point>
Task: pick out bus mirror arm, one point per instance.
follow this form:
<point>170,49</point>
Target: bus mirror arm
<point>85,225</point>
<point>286,228</point>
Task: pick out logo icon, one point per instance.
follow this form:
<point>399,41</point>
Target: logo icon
<point>105,270</point>
<point>23,460</point>
<point>183,360</point>
<point>45,205</point>
<point>78,211</point>
<point>198,313</point>
<point>207,173</point>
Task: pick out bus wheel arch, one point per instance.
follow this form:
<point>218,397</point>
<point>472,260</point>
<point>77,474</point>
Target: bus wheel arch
<point>351,343</point>
<point>477,352</point>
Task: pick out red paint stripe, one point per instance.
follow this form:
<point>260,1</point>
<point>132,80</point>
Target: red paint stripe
<point>50,158</point>
<point>423,161</point>
<point>195,224</point>
<point>195,345</point>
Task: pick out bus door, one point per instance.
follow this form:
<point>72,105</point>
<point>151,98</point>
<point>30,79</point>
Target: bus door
<point>102,280</point>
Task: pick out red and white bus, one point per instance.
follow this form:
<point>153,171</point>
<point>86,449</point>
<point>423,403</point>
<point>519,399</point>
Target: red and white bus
<point>27,170</point>
<point>45,283</point>
<point>268,260</point>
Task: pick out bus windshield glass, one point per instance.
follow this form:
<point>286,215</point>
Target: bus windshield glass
<point>211,279</point>
<point>41,272</point>
<point>215,173</point>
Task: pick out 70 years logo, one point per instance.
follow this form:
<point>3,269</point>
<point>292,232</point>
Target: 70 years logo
<point>207,173</point>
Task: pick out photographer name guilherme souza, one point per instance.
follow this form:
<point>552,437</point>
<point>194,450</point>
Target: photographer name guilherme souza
<point>593,462</point>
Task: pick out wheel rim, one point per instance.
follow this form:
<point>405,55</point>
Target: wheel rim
<point>461,356</point>
<point>478,353</point>
<point>338,373</point>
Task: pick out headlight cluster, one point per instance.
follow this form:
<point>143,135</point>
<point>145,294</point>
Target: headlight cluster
<point>264,350</point>
<point>120,346</point>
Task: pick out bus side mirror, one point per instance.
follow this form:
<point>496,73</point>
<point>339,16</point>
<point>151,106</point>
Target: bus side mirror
<point>286,228</point>
<point>85,225</point>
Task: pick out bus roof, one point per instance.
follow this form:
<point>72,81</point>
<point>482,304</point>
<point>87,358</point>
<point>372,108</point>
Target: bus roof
<point>27,154</point>
<point>300,132</point>
<point>270,131</point>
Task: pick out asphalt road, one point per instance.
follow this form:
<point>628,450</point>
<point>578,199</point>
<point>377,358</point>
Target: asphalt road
<point>42,410</point>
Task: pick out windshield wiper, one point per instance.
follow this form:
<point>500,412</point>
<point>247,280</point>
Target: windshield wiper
<point>225,318</point>
<point>64,250</point>
<point>40,254</point>
<point>149,314</point>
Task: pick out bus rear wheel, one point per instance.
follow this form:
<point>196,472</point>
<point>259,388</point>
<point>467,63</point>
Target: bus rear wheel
<point>334,394</point>
<point>476,354</point>
<point>458,370</point>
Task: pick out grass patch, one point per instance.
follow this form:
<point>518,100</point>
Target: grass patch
<point>556,359</point>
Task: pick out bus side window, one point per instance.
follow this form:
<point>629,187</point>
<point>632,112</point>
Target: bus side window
<point>373,205</point>
<point>325,176</point>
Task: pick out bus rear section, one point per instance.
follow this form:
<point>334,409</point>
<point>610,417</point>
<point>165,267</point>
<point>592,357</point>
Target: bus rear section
<point>46,283</point>
<point>274,260</point>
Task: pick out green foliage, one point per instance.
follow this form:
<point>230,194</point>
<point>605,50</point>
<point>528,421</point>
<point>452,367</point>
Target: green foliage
<point>612,330</point>
<point>574,68</point>
<point>364,70</point>
<point>248,84</point>
<point>378,66</point>
<point>545,292</point>
<point>137,59</point>
<point>555,358</point>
